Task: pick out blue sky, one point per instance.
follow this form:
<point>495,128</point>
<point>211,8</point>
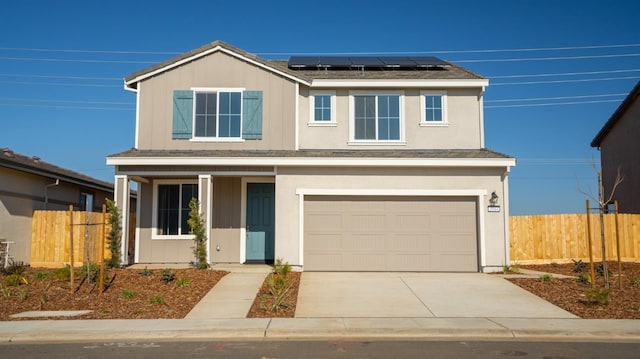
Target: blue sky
<point>557,70</point>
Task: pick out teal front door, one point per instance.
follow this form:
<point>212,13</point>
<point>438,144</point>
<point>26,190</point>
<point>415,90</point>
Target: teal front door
<point>260,222</point>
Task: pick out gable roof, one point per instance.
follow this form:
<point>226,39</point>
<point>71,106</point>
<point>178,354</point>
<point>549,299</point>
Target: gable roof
<point>305,76</point>
<point>617,115</point>
<point>34,165</point>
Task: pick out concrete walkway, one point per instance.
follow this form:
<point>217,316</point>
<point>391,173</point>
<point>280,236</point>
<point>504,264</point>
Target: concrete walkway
<point>233,295</point>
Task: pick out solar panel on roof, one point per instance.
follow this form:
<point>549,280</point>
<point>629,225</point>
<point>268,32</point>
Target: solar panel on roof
<point>414,62</point>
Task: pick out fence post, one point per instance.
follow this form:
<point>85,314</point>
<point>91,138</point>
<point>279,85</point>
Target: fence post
<point>102,235</point>
<point>71,247</point>
<point>593,273</point>
<point>615,204</point>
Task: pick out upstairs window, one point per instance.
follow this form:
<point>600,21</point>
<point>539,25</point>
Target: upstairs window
<point>376,117</point>
<point>218,114</point>
<point>322,108</point>
<point>433,107</point>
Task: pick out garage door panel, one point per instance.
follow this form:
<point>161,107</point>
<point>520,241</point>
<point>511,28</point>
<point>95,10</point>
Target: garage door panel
<point>390,233</point>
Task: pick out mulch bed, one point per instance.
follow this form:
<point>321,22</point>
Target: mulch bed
<point>263,303</point>
<point>130,295</point>
<point>569,294</point>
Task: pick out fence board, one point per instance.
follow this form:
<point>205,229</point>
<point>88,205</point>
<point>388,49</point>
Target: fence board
<point>563,237</point>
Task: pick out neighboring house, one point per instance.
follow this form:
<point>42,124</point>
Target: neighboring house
<point>619,145</point>
<point>28,184</point>
<point>329,163</point>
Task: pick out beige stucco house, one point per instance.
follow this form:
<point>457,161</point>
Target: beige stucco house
<point>619,145</point>
<point>28,183</point>
<point>329,163</point>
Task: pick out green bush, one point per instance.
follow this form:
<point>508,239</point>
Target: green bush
<point>63,273</point>
<point>128,293</point>
<point>546,278</point>
<point>93,272</point>
<point>14,267</point>
<point>156,299</point>
<point>197,228</point>
<point>168,275</point>
<point>114,237</point>
<point>598,295</point>
<point>583,278</point>
<point>183,282</point>
<point>146,272</point>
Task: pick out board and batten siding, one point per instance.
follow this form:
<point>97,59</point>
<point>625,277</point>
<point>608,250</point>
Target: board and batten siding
<point>217,70</point>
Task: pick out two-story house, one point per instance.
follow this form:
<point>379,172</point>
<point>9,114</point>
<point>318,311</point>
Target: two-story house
<point>330,163</point>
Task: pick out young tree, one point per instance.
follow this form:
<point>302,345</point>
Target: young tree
<point>115,235</point>
<point>197,228</point>
<point>602,205</point>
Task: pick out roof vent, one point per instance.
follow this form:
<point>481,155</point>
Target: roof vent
<point>35,159</point>
<point>7,152</point>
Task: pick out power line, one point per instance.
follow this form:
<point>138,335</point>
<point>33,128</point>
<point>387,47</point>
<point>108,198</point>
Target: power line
<point>556,98</point>
<point>549,58</point>
<point>76,60</point>
<point>563,81</point>
<point>55,84</point>
<point>552,104</point>
<point>65,101</point>
<point>118,52</point>
<point>565,74</point>
<point>69,107</point>
<point>62,77</point>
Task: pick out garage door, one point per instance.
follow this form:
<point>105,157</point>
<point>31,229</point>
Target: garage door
<point>373,233</point>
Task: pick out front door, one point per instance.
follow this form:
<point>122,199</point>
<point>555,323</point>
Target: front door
<point>260,222</point>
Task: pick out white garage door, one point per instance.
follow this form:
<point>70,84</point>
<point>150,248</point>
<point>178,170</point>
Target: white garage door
<point>373,233</point>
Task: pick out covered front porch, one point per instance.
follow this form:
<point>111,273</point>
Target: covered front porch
<point>238,208</point>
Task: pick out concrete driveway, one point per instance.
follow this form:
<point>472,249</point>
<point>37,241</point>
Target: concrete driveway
<point>415,295</point>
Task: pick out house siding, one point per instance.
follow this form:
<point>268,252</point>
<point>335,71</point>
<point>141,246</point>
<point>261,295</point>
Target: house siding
<point>619,149</point>
<point>462,131</point>
<point>217,70</point>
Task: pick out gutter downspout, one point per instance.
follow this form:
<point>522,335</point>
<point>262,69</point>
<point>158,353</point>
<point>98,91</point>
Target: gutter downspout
<point>46,192</point>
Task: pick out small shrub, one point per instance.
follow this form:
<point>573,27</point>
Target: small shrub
<point>42,275</point>
<point>546,278</point>
<point>128,293</point>
<point>635,281</point>
<point>579,266</point>
<point>510,269</point>
<point>183,282</point>
<point>280,268</point>
<point>597,295</point>
<point>14,267</point>
<point>63,273</point>
<point>103,311</point>
<point>24,294</point>
<point>584,278</point>
<point>168,276</point>
<point>515,268</point>
<point>600,270</point>
<point>15,280</point>
<point>156,299</point>
<point>93,270</point>
<point>146,272</point>
<point>6,291</point>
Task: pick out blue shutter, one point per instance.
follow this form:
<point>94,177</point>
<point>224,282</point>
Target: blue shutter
<point>252,115</point>
<point>182,114</point>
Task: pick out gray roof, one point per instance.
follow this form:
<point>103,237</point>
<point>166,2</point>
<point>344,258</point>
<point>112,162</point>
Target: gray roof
<point>35,165</point>
<point>452,71</point>
<point>462,153</point>
<point>624,106</point>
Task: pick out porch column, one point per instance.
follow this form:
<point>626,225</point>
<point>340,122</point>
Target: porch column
<point>121,195</point>
<point>205,197</point>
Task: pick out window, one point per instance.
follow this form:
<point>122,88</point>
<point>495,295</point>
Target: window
<point>172,208</point>
<point>209,114</point>
<point>376,117</point>
<point>433,107</point>
<point>86,201</point>
<point>322,105</point>
<point>218,114</point>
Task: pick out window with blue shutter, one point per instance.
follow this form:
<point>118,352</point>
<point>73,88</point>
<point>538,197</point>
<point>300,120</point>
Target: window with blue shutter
<point>252,115</point>
<point>182,114</point>
<point>218,114</point>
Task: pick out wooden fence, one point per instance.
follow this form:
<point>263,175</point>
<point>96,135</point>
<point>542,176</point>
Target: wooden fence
<point>563,237</point>
<point>51,233</point>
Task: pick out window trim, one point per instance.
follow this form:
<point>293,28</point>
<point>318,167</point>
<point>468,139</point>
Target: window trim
<point>312,107</point>
<point>423,109</point>
<point>217,90</point>
<point>154,219</point>
<point>352,115</point>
